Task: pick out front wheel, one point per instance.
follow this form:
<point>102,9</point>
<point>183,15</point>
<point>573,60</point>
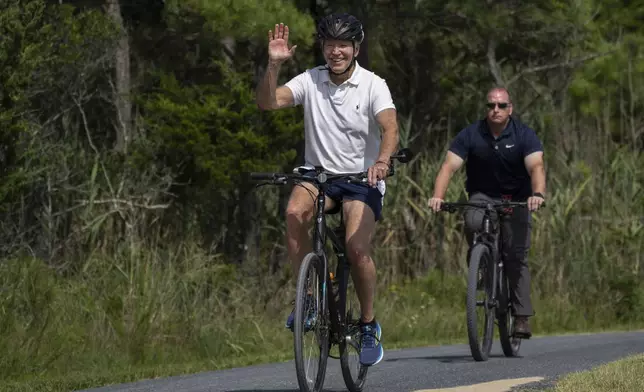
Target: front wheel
<point>480,306</point>
<point>311,325</point>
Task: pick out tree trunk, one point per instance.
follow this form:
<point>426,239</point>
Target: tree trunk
<point>123,80</point>
<point>360,11</point>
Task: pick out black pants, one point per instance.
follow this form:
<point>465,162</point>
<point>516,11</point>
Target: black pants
<point>515,231</point>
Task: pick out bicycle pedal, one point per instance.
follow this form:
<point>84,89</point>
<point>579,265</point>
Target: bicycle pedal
<point>521,336</point>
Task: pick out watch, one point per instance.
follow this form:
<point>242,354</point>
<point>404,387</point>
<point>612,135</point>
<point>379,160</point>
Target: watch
<point>538,194</point>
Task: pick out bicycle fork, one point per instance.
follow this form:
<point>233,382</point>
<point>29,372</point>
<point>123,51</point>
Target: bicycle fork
<point>495,267</point>
<point>319,239</point>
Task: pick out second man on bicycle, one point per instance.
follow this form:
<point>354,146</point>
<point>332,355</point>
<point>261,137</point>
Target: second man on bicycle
<point>504,160</point>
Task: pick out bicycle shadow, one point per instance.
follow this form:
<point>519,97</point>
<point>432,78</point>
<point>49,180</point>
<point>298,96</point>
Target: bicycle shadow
<point>460,358</point>
<point>280,390</point>
<point>262,390</point>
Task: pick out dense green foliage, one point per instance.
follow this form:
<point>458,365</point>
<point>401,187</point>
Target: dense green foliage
<point>159,256</point>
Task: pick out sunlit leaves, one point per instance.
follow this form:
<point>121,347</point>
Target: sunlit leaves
<point>242,19</point>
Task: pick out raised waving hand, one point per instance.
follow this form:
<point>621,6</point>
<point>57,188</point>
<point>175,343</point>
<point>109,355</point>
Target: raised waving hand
<point>278,50</point>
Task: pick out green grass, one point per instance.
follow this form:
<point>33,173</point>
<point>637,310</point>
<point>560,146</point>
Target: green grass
<point>132,312</point>
<point>624,375</point>
<point>147,319</point>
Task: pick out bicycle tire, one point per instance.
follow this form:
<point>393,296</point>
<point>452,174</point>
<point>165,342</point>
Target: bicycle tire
<point>509,344</point>
<point>311,260</point>
<point>479,258</point>
<point>352,330</point>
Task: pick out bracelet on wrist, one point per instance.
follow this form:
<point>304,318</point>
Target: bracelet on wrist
<point>384,163</point>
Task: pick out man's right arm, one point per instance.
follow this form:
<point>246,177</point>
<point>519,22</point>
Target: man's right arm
<point>454,159</point>
<point>450,165</point>
<point>269,96</point>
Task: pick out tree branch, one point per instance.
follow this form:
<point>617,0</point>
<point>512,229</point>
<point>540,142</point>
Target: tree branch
<point>538,94</point>
<point>567,64</point>
<point>86,125</point>
<point>129,203</point>
<point>494,65</point>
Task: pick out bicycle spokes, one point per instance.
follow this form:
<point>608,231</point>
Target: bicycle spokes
<point>353,372</point>
<point>311,330</point>
<point>485,299</point>
<point>509,343</point>
<point>312,338</point>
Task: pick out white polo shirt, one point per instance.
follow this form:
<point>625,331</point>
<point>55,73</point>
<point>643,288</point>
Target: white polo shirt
<point>341,133</point>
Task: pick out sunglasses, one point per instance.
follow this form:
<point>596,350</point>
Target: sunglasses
<point>501,105</point>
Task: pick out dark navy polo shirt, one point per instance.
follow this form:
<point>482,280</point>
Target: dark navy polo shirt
<point>496,167</point>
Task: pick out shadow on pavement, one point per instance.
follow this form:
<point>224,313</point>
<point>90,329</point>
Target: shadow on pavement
<point>442,358</point>
<point>279,390</point>
<point>262,390</point>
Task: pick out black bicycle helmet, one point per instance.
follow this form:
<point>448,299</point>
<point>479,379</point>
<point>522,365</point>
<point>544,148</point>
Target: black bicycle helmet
<point>344,27</point>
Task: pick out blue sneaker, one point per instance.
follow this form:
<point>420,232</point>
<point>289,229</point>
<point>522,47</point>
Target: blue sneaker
<point>310,320</point>
<point>371,351</point>
<point>290,320</point>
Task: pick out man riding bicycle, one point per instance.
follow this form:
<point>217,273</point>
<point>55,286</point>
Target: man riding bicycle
<point>345,106</point>
<point>504,161</point>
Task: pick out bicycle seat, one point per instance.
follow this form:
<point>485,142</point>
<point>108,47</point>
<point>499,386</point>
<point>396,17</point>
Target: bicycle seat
<point>335,209</point>
<point>303,170</point>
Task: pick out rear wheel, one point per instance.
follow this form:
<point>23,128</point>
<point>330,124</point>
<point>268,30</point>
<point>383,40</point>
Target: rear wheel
<point>509,343</point>
<point>480,309</point>
<point>354,374</point>
<point>311,326</point>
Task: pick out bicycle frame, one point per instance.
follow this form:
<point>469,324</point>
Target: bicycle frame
<point>321,233</point>
<point>490,237</point>
<point>334,328</point>
<point>337,307</point>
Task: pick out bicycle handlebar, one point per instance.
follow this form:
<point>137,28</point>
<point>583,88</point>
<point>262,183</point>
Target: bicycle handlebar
<point>319,178</point>
<point>403,155</point>
<point>451,207</point>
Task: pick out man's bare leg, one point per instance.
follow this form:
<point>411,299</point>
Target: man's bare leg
<point>299,212</point>
<point>360,224</point>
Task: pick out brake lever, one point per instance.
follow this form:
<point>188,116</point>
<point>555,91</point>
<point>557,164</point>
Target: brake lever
<point>262,184</point>
<point>448,208</point>
<point>360,179</point>
<point>274,181</point>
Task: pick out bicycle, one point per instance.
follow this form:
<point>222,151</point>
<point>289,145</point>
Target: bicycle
<point>334,322</point>
<point>486,271</point>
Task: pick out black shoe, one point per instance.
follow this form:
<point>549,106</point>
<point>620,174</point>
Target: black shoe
<point>522,327</point>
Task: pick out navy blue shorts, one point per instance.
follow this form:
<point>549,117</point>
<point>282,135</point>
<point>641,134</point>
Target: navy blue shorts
<point>366,194</point>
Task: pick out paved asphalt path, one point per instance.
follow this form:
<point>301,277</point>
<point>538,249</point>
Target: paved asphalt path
<point>414,369</point>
